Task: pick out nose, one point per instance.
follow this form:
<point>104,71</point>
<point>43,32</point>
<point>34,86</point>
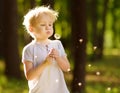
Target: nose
<point>47,27</point>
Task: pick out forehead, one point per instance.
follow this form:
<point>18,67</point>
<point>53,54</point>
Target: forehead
<point>45,17</point>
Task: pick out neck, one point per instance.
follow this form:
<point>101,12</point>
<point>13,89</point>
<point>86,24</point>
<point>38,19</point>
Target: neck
<point>45,41</point>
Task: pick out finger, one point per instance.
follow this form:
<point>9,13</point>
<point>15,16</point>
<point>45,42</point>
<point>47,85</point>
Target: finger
<point>51,55</point>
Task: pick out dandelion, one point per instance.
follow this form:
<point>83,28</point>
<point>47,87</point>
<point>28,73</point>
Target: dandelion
<point>57,36</point>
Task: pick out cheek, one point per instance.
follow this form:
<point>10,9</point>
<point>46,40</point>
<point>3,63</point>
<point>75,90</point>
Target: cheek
<point>52,31</point>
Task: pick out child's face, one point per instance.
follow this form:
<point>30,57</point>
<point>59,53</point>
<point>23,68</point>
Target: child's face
<point>44,27</point>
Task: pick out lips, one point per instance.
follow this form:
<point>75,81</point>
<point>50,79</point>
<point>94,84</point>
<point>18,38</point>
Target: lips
<point>48,32</point>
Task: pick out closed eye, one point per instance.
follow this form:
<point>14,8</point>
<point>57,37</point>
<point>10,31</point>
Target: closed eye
<point>50,24</point>
<point>42,24</point>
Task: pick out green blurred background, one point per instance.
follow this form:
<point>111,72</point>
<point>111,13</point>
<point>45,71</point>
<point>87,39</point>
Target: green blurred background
<point>89,31</point>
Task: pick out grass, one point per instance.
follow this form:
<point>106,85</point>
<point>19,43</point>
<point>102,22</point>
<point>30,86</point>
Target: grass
<point>13,86</point>
<point>102,77</point>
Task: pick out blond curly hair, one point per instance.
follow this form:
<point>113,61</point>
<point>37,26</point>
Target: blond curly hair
<point>30,19</point>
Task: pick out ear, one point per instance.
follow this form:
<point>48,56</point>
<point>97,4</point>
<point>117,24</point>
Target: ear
<point>30,28</point>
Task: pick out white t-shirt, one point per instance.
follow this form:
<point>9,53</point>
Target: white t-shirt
<point>52,79</point>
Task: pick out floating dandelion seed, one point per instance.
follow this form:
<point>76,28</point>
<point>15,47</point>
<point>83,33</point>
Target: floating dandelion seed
<point>57,36</point>
<point>109,88</point>
<point>95,47</point>
<point>56,80</point>
<point>97,73</point>
<point>79,84</point>
<point>68,69</point>
<point>80,40</point>
<point>89,65</point>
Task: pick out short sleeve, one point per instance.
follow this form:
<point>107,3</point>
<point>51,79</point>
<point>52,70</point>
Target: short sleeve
<point>27,54</point>
<point>61,49</point>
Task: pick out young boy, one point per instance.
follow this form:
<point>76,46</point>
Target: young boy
<point>44,59</point>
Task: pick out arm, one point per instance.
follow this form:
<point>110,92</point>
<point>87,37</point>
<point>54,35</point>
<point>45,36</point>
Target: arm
<point>32,72</point>
<point>63,63</point>
<point>61,60</point>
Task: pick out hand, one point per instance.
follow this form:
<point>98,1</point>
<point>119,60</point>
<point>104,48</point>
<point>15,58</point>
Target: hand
<point>54,53</point>
<point>48,59</point>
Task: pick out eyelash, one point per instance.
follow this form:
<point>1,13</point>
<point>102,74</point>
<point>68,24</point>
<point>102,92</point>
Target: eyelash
<point>44,24</point>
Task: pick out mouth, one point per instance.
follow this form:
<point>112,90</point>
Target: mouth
<point>48,32</point>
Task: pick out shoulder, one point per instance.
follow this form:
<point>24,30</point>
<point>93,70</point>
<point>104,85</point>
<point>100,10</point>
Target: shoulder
<point>56,41</point>
<point>29,46</point>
